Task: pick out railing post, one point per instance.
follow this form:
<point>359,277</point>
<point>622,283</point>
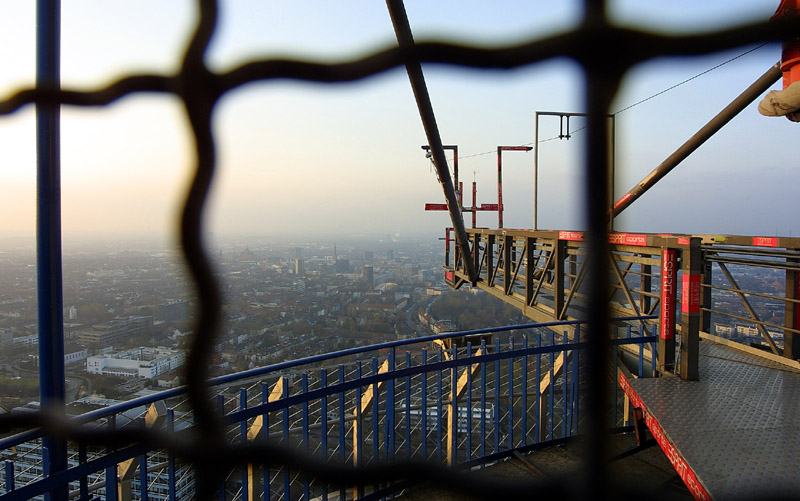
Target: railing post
<point>243,437</point>
<point>529,269</point>
<point>508,258</point>
<point>457,388</point>
<point>691,269</point>
<point>666,341</point>
<point>153,418</point>
<point>363,401</point>
<point>9,476</point>
<point>559,254</point>
<point>646,285</point>
<point>476,255</point>
<point>791,341</point>
<point>705,295</point>
<point>489,253</point>
<point>171,457</point>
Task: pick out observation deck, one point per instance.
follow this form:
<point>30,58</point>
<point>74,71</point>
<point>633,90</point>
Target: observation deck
<point>369,423</point>
<point>724,412</point>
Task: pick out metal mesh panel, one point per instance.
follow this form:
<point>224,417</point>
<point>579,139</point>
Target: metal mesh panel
<point>604,52</point>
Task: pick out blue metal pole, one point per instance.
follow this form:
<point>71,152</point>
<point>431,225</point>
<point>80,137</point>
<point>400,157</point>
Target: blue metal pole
<point>390,418</point>
<point>537,412</point>
<point>376,445</point>
<point>306,445</point>
<point>111,471</point>
<point>551,389</point>
<point>408,408</point>
<point>453,415</point>
<point>511,396</point>
<point>483,402</point>
<point>342,452</point>
<point>439,410</point>
<point>287,490</point>
<point>468,452</point>
<point>497,397</point>
<point>9,476</point>
<point>143,477</point>
<point>525,392</point>
<point>222,486</point>
<point>265,439</point>
<point>323,382</point>
<point>171,457</point>
<point>424,408</point>
<point>48,232</point>
<point>243,440</point>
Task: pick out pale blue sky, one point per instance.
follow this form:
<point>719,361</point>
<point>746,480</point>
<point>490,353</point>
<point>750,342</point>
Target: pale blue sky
<point>309,159</point>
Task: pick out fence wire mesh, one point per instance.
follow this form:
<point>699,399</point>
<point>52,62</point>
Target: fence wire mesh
<point>605,52</point>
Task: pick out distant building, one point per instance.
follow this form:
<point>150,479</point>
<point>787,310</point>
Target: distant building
<point>173,311</point>
<point>725,331</point>
<point>342,265</point>
<point>26,341</point>
<point>367,275</point>
<point>138,362</point>
<point>74,353</point>
<point>6,337</point>
<point>745,330</point>
<point>298,266</point>
<point>369,257</point>
<point>116,330</point>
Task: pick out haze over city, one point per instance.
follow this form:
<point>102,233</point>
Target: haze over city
<point>311,161</point>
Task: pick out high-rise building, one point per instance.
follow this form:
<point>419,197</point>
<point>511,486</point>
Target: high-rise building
<point>368,276</point>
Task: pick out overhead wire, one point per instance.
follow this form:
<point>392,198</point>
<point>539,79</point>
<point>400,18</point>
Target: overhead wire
<point>626,108</point>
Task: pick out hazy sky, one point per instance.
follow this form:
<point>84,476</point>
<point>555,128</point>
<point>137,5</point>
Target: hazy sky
<point>307,159</point>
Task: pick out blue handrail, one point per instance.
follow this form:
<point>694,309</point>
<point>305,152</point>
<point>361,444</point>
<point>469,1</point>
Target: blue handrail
<point>316,359</point>
<point>501,421</point>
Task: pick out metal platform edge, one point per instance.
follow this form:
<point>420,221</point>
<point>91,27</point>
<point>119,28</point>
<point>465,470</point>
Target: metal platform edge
<point>687,474</point>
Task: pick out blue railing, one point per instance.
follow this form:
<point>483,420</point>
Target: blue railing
<point>461,399</point>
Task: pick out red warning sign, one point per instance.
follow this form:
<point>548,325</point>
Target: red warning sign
<point>690,294</point>
<point>669,264</point>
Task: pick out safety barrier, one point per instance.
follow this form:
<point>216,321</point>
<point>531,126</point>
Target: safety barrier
<point>688,281</point>
<point>462,399</point>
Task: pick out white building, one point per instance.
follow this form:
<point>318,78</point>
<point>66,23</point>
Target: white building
<point>138,362</point>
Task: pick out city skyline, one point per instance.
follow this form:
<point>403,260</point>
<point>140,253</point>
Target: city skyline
<point>297,159</point>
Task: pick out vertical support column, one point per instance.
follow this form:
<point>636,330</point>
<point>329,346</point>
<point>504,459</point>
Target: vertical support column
<point>489,250</point>
<point>535,170</point>
<point>508,259</point>
<point>611,168</point>
<point>499,187</point>
<point>705,295</point>
<point>791,341</point>
<point>646,285</point>
<point>447,249</point>
<point>530,270</point>
<point>476,256</point>
<point>52,387</point>
<point>474,204</point>
<point>691,269</point>
<point>666,341</point>
<point>559,254</point>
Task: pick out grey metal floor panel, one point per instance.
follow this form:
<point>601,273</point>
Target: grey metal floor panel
<point>738,428</point>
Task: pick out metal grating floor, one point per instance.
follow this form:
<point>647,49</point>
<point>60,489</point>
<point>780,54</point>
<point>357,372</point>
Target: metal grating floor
<point>737,429</point>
